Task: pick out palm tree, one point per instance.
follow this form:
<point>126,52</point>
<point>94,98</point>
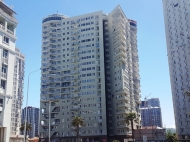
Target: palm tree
<point>171,137</point>
<point>130,119</point>
<point>28,128</point>
<point>77,122</point>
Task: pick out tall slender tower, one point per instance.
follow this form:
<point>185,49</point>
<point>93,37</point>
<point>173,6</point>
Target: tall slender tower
<point>90,69</point>
<point>177,28</point>
<point>33,119</point>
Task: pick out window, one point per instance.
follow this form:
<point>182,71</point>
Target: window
<point>3,84</point>
<point>5,53</point>
<point>6,39</point>
<point>1,102</point>
<point>4,69</point>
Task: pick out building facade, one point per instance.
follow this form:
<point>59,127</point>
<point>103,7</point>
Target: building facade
<point>177,28</point>
<point>89,69</point>
<point>151,114</point>
<point>33,118</point>
<point>12,73</point>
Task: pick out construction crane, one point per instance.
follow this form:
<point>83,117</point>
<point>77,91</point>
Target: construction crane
<point>145,99</point>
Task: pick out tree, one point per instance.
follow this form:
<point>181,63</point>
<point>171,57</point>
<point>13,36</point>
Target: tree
<point>77,122</point>
<point>28,128</point>
<point>130,119</point>
<point>171,137</point>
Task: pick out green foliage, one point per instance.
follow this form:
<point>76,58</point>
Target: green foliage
<point>116,141</point>
<point>77,121</point>
<point>130,119</point>
<point>28,127</point>
<point>171,137</point>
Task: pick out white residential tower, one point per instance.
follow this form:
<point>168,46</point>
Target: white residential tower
<point>90,69</point>
<point>177,28</point>
<point>12,73</point>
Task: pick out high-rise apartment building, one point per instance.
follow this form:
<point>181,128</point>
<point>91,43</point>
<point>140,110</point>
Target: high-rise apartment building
<point>151,114</point>
<point>89,69</point>
<point>12,73</point>
<point>33,118</point>
<point>177,28</point>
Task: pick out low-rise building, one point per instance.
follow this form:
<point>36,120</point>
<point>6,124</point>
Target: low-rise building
<point>149,133</point>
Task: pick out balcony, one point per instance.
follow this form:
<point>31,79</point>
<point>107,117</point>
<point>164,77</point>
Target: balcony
<point>122,126</point>
<point>10,32</point>
<point>75,108</point>
<point>135,53</point>
<point>65,86</point>
<point>121,47</point>
<point>56,123</point>
<point>44,112</point>
<point>137,85</point>
<point>136,75</point>
<point>123,111</point>
<point>121,119</point>
<point>74,95</point>
<point>138,91</point>
<point>75,84</point>
<point>123,98</point>
<point>135,63</point>
<point>121,54</point>
<point>1,107</point>
<point>138,101</point>
<point>65,92</point>
<point>123,105</point>
<point>2,27</point>
<point>56,110</point>
<point>75,72</point>
<point>121,59</point>
<point>120,36</point>
<point>5,60</point>
<point>4,75</point>
<point>44,124</point>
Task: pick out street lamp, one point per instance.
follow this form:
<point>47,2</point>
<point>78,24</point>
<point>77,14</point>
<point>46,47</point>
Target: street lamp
<point>27,103</point>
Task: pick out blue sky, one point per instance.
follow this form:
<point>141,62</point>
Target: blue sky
<point>153,63</point>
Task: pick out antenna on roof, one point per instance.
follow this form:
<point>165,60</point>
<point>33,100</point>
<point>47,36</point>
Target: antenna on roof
<point>11,6</point>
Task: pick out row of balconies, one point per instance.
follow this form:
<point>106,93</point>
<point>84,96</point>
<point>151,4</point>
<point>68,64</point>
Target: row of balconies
<point>120,53</point>
<point>121,59</point>
<point>8,30</point>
